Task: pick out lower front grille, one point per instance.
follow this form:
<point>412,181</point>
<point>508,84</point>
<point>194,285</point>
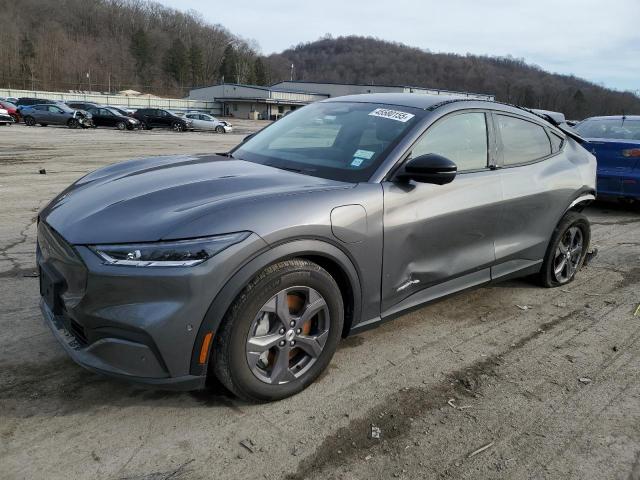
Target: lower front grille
<point>78,332</point>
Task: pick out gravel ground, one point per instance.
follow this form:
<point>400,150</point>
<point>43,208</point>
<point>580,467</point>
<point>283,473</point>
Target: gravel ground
<point>440,383</point>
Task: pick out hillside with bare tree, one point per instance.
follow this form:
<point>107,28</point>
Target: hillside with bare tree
<point>373,61</point>
<point>117,44</point>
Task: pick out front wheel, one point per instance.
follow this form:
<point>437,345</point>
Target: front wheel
<point>220,129</point>
<point>29,121</point>
<point>178,127</point>
<point>121,126</point>
<point>280,333</point>
<point>567,250</point>
<point>73,123</point>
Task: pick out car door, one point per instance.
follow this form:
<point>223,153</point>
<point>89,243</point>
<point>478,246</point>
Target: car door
<point>108,118</point>
<point>197,121</point>
<point>56,115</point>
<point>537,183</point>
<point>439,238</point>
<point>96,116</point>
<point>209,122</point>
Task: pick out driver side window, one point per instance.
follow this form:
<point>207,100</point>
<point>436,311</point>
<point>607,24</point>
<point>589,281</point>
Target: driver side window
<point>462,138</point>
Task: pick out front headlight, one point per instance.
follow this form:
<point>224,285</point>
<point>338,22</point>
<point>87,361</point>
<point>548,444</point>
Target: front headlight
<point>181,253</point>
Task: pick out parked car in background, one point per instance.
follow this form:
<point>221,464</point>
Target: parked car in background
<point>9,99</point>
<point>252,265</point>
<point>11,109</point>
<point>55,114</point>
<point>126,111</point>
<point>28,101</point>
<point>158,117</point>
<point>109,117</point>
<point>79,105</point>
<point>203,121</point>
<point>5,118</point>
<point>615,141</point>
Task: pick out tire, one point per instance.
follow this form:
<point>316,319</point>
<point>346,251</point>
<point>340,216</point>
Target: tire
<point>230,357</point>
<point>73,123</point>
<point>29,121</point>
<point>178,127</point>
<point>15,117</point>
<point>121,126</point>
<point>565,242</point>
<point>220,129</point>
<point>44,124</point>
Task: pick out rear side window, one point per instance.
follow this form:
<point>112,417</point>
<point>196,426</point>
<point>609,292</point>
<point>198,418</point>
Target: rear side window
<point>461,138</point>
<point>556,142</point>
<point>522,141</point>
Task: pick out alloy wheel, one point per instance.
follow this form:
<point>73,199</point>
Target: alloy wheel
<point>288,335</point>
<point>568,254</point>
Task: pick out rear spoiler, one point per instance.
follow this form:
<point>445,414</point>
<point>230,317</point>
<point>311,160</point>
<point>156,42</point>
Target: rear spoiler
<point>557,120</point>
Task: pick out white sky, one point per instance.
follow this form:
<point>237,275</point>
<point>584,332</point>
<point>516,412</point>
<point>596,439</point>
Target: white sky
<point>595,39</point>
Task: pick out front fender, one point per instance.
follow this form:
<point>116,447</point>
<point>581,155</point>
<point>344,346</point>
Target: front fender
<point>297,248</point>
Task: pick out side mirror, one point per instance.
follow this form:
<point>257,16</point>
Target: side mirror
<point>429,168</point>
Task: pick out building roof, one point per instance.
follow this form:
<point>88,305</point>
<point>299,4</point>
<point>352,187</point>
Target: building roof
<point>415,87</point>
<point>259,87</point>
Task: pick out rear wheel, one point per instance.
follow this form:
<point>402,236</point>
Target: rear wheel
<point>567,250</point>
<point>29,121</point>
<point>280,333</point>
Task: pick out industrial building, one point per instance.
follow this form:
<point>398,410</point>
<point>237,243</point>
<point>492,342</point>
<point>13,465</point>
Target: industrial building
<point>255,102</point>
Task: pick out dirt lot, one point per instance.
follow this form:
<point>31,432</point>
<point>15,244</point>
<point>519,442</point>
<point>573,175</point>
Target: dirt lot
<point>441,382</point>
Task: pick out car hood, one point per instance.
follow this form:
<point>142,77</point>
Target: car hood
<point>146,200</point>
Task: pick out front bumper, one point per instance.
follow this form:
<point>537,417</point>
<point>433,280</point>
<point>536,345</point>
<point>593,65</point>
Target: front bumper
<point>117,358</point>
<point>135,323</point>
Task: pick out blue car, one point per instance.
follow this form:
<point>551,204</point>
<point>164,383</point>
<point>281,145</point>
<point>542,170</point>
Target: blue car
<point>615,141</point>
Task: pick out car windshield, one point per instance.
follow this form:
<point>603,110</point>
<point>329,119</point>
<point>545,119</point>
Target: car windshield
<point>7,105</point>
<point>613,128</point>
<point>339,140</point>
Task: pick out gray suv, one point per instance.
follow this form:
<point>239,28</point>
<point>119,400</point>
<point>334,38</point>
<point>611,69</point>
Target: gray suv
<point>252,265</point>
<point>55,114</point>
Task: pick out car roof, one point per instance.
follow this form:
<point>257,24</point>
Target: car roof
<point>432,102</point>
<point>614,117</point>
<point>415,100</point>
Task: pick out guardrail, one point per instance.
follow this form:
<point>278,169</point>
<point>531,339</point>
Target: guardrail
<point>130,101</point>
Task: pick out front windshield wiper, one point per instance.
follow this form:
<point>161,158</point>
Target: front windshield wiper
<point>228,155</point>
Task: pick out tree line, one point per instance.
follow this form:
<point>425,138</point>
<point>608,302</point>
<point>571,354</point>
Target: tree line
<point>115,45</point>
<point>372,61</point>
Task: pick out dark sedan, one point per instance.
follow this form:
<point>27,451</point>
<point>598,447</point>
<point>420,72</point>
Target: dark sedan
<point>109,117</point>
<point>158,117</point>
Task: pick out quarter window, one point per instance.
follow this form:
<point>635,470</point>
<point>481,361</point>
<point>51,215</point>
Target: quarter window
<point>522,141</point>
<point>461,138</point>
<point>556,142</point>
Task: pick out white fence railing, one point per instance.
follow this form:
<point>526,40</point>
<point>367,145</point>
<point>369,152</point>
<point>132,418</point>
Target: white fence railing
<point>116,100</point>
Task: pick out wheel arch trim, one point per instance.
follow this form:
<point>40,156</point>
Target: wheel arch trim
<point>303,248</point>
<point>582,201</point>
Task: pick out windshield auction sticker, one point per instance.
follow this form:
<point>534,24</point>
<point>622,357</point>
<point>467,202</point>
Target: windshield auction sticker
<point>392,114</point>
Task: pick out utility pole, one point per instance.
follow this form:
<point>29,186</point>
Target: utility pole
<point>292,72</point>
